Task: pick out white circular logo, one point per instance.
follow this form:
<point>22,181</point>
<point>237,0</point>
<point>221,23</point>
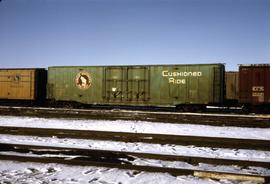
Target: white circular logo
<point>83,80</point>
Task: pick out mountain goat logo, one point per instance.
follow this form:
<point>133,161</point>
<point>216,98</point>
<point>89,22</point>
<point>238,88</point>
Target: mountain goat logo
<point>83,80</point>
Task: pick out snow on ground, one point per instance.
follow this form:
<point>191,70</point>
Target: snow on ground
<point>138,127</point>
<point>13,172</point>
<point>167,164</point>
<point>151,148</point>
<point>171,149</point>
<point>22,173</point>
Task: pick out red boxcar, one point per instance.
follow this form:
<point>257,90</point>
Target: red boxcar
<point>254,84</point>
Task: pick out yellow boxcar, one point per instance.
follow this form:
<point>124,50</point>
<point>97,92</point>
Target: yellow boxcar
<point>23,84</point>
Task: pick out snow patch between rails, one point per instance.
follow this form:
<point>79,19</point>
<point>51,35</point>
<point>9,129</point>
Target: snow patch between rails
<point>239,154</point>
<point>14,172</point>
<point>138,127</point>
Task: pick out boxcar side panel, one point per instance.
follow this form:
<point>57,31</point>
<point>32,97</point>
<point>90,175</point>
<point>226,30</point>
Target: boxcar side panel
<point>191,84</point>
<point>244,86</point>
<point>267,85</point>
<point>126,84</point>
<point>17,84</point>
<point>78,84</point>
<point>159,85</point>
<point>232,85</point>
<point>254,84</point>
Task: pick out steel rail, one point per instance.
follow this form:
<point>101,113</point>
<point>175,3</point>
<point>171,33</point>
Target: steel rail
<point>125,165</point>
<point>97,153</point>
<point>254,121</point>
<point>219,142</point>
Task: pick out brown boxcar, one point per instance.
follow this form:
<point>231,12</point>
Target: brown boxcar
<point>232,86</point>
<point>254,84</point>
<point>23,84</point>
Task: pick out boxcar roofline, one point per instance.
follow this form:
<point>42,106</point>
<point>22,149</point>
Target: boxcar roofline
<point>203,64</point>
<point>22,68</point>
<point>254,65</point>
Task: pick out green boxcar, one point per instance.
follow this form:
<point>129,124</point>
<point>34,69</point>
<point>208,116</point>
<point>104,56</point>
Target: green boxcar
<point>144,85</point>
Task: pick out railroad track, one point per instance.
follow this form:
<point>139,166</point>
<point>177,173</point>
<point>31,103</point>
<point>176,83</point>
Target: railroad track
<point>254,121</point>
<point>126,160</point>
<point>218,142</point>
